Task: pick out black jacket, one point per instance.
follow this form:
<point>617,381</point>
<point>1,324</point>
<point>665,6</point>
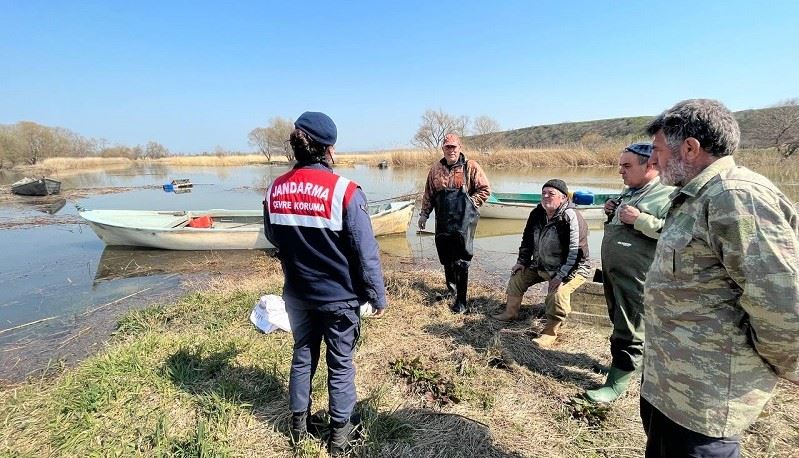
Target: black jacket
<point>558,246</point>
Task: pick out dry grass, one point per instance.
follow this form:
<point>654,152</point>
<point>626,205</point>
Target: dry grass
<point>507,158</point>
<point>215,161</point>
<point>66,166</point>
<point>414,158</point>
<point>371,159</point>
<point>72,163</point>
<point>195,379</point>
<point>572,155</point>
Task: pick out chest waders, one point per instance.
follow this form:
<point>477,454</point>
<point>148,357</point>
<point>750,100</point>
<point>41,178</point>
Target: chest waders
<point>456,223</point>
<point>626,257</point>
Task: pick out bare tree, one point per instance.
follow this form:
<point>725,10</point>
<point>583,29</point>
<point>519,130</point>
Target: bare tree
<point>30,142</point>
<point>154,150</point>
<point>257,138</point>
<point>486,134</point>
<point>122,151</point>
<point>38,141</point>
<point>435,125</point>
<point>273,138</point>
<point>780,126</point>
<point>10,146</point>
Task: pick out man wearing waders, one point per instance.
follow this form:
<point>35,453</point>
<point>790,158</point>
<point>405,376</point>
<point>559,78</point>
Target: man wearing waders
<point>319,223</point>
<point>455,188</point>
<point>628,246</point>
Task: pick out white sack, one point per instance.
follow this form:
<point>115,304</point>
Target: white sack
<point>269,314</point>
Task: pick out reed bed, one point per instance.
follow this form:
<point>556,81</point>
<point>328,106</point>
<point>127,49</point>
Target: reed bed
<point>194,378</point>
<point>71,163</point>
<point>215,161</point>
<point>371,159</point>
<point>520,158</point>
<point>605,154</point>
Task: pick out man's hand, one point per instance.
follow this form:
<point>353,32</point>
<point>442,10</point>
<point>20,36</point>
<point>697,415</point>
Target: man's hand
<point>422,222</point>
<point>628,214</point>
<point>610,206</point>
<point>554,284</point>
<point>516,268</point>
<point>379,313</point>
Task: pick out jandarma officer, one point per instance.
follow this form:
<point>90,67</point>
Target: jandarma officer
<point>320,225</point>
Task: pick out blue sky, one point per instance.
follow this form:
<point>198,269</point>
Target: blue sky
<point>194,75</point>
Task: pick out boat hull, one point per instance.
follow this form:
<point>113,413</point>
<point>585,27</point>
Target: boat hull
<point>522,211</point>
<point>40,187</point>
<point>392,220</point>
<point>232,230</point>
<point>503,205</point>
<point>182,239</point>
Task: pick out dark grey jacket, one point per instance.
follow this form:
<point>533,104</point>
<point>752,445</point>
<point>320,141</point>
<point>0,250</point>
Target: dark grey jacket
<point>558,246</point>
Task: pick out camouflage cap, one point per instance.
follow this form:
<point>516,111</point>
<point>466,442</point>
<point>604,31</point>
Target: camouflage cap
<point>452,139</point>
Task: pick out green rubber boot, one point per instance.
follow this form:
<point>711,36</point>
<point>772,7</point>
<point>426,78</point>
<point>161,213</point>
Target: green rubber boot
<point>615,386</point>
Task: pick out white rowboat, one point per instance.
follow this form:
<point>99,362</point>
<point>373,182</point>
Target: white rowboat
<point>231,229</point>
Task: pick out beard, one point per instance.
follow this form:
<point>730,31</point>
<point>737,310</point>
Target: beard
<point>675,173</point>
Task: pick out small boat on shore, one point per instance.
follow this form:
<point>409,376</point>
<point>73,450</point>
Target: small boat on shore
<point>36,187</point>
<point>213,229</point>
<point>511,205</point>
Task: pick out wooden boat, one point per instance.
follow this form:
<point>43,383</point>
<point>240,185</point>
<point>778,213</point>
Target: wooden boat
<point>36,187</point>
<point>507,205</point>
<point>230,229</point>
<point>391,218</point>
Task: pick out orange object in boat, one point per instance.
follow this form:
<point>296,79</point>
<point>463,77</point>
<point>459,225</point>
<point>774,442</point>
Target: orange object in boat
<point>201,222</point>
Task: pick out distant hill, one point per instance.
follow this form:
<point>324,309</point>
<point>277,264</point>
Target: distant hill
<point>615,129</point>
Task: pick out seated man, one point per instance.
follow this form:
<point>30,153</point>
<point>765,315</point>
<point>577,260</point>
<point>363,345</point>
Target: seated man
<point>554,249</point>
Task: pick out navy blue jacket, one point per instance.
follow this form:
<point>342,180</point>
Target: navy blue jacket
<point>319,223</point>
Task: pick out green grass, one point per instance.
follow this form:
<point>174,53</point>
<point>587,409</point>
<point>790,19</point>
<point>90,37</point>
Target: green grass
<point>173,383</point>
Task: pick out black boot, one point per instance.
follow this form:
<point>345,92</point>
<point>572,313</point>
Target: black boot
<point>342,435</point>
<point>461,280</point>
<point>299,426</point>
<point>449,278</point>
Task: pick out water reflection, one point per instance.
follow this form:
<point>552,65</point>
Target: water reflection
<point>129,262</point>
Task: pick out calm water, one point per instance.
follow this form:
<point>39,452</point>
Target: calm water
<point>56,270</point>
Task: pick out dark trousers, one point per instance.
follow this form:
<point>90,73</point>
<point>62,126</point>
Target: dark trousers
<point>340,330</point>
<point>666,439</point>
<point>456,261</point>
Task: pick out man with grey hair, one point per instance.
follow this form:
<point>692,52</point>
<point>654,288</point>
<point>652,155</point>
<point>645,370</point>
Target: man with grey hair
<point>721,298</point>
<point>554,249</point>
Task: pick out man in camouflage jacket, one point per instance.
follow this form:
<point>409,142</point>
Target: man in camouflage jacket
<point>721,298</point>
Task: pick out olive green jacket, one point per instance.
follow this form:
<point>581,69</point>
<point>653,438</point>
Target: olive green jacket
<point>653,201</point>
<point>721,301</point>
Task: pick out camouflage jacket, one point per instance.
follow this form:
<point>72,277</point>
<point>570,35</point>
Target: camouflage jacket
<point>443,176</point>
<point>721,301</point>
<point>653,202</point>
